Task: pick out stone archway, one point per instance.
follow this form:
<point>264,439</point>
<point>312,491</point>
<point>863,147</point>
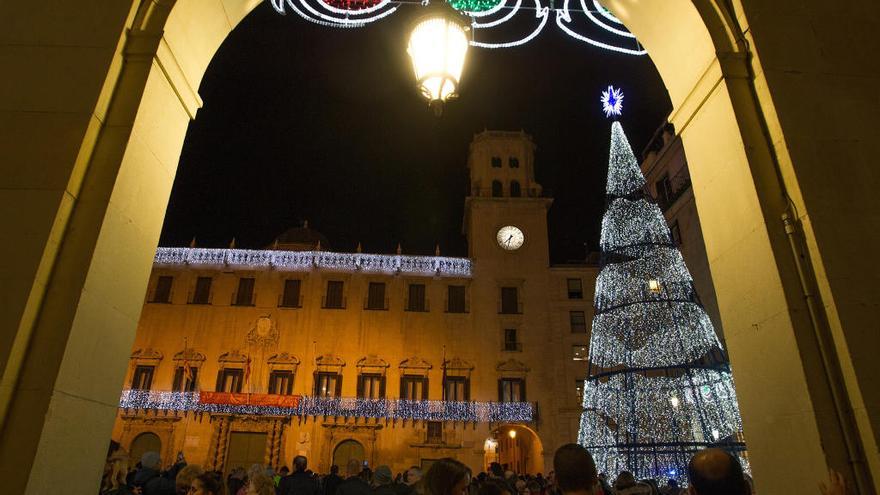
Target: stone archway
<point>118,88</point>
<point>347,450</point>
<point>519,448</point>
<point>144,442</point>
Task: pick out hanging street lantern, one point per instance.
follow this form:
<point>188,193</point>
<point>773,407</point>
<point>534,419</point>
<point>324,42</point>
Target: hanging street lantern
<point>437,46</point>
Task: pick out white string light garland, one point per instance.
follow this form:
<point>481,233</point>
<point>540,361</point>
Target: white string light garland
<point>352,407</point>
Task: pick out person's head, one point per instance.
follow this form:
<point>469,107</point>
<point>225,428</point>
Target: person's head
<point>283,471</point>
<point>533,486</point>
<point>300,463</point>
<point>520,486</point>
<point>574,469</point>
<point>185,477</point>
<point>150,460</point>
<point>446,477</point>
<point>353,468</point>
<point>382,476</point>
<point>206,484</point>
<point>334,469</point>
<point>495,470</point>
<point>494,487</point>
<point>412,475</point>
<point>624,480</point>
<point>259,483</point>
<point>716,472</point>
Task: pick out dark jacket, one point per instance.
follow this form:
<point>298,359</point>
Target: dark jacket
<point>152,483</point>
<point>403,489</point>
<point>353,486</point>
<point>298,483</point>
<point>331,483</point>
<point>387,489</point>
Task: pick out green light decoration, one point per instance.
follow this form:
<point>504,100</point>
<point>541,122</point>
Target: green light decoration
<point>474,5</point>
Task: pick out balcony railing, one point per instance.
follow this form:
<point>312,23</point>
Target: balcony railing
<point>280,405</point>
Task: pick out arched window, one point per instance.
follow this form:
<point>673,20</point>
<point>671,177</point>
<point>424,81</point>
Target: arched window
<point>515,190</point>
<point>496,189</point>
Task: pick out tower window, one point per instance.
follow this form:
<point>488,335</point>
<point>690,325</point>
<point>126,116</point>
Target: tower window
<point>291,296</point>
<point>435,432</point>
<point>496,162</point>
<point>509,301</point>
<point>245,294</point>
<point>162,294</point>
<point>497,191</point>
<point>664,190</point>
<point>456,299</point>
<point>513,162</point>
<point>575,288</point>
<point>579,353</point>
<point>676,233</point>
<point>202,293</point>
<point>416,300</point>
<point>511,342</point>
<point>515,190</point>
<point>334,299</point>
<point>376,296</point>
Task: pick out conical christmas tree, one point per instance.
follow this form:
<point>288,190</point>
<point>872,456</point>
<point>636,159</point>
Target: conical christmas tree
<point>658,386</point>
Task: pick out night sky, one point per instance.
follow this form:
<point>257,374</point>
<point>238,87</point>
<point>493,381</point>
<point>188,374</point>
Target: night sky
<point>302,122</point>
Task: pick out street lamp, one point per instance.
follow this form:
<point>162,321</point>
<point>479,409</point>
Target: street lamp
<point>437,46</point>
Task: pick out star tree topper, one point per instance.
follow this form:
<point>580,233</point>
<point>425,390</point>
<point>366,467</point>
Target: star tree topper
<point>612,101</point>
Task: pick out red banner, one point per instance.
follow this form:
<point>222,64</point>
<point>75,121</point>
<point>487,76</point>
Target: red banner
<point>269,400</point>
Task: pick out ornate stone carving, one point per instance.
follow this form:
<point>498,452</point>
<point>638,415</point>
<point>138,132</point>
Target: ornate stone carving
<point>458,363</point>
<point>512,365</point>
<point>234,356</point>
<point>372,361</point>
<point>284,358</point>
<point>147,353</point>
<point>329,360</point>
<point>263,332</point>
<point>191,355</point>
<point>415,362</point>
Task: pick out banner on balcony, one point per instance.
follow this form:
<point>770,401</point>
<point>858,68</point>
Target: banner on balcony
<point>257,400</point>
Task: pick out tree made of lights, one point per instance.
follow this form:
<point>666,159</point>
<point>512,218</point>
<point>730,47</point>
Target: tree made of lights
<point>658,384</point>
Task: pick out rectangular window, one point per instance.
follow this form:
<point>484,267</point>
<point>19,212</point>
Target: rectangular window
<point>244,296</point>
<point>230,380</point>
<point>513,162</point>
<point>456,388</point>
<point>664,190</point>
<point>162,294</point>
<point>578,321</point>
<point>183,383</point>
<point>456,300</point>
<point>575,288</point>
<point>511,343</point>
<point>376,296</point>
<point>435,432</point>
<point>496,162</point>
<point>579,353</point>
<point>142,378</point>
<point>371,386</point>
<point>416,298</point>
<point>202,293</point>
<point>676,233</point>
<point>579,390</point>
<point>334,299</point>
<point>328,384</point>
<point>291,296</point>
<point>281,382</point>
<point>509,301</point>
<point>511,390</point>
<point>414,387</point>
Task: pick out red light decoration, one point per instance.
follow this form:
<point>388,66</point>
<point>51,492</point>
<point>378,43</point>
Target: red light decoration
<point>353,5</point>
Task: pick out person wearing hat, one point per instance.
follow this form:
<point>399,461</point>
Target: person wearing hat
<point>382,481</point>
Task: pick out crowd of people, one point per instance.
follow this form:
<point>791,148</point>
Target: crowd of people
<point>711,472</point>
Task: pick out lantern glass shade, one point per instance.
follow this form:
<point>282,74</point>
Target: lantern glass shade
<point>437,46</point>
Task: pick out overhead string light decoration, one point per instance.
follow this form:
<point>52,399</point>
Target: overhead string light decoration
<point>483,15</point>
<point>658,384</point>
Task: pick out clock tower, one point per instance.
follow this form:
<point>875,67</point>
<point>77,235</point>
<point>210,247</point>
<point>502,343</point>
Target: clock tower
<point>505,213</point>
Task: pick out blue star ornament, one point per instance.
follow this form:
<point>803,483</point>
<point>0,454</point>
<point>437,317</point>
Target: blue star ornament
<point>612,101</point>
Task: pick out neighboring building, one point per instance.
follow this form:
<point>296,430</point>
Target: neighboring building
<point>666,172</point>
<point>393,359</point>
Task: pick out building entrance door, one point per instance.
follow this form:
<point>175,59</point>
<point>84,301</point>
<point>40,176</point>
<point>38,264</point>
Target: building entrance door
<point>145,442</point>
<point>245,448</point>
<point>347,450</point>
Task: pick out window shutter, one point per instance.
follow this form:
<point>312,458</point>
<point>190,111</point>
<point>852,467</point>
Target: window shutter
<point>315,378</point>
<point>425,388</point>
<point>403,394</point>
<point>360,385</point>
<point>382,387</point>
<point>522,390</point>
<point>219,387</point>
<point>338,385</point>
<point>500,390</point>
<point>467,389</point>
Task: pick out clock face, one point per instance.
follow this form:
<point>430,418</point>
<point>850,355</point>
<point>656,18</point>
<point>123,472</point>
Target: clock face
<point>510,238</point>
